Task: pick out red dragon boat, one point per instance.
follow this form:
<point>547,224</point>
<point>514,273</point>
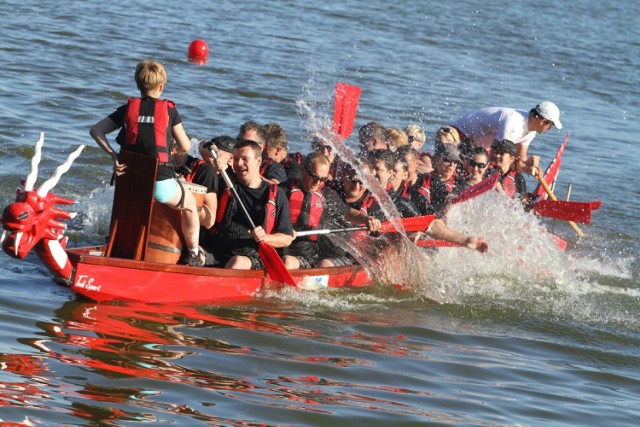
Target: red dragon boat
<point>139,261</point>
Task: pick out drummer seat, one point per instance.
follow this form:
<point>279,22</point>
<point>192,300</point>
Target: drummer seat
<point>132,207</point>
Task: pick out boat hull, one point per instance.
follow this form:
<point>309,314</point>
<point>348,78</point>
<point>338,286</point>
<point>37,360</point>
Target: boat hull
<point>101,278</point>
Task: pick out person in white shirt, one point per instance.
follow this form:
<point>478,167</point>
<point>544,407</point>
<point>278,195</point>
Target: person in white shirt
<point>480,128</point>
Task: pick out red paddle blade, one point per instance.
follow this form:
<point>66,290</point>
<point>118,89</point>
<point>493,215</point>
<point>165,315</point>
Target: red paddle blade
<point>418,223</point>
<point>476,190</point>
<point>274,265</point>
<point>345,108</point>
<point>566,210</point>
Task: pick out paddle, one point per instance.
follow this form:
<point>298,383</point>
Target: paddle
<point>270,258</point>
<point>345,107</point>
<point>476,190</point>
<point>538,174</point>
<point>551,174</point>
<point>418,223</point>
<point>566,210</point>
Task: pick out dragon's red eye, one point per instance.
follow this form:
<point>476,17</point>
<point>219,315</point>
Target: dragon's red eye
<point>23,216</point>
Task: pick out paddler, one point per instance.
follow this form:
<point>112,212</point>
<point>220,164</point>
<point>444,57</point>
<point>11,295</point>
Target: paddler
<point>314,205</point>
<point>234,243</point>
<point>270,170</point>
<point>503,157</point>
<point>442,181</point>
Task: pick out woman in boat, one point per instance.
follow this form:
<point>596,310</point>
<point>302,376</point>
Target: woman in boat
<point>149,125</point>
<point>476,166</point>
<point>439,184</point>
<point>417,138</point>
<point>395,138</point>
<point>504,157</point>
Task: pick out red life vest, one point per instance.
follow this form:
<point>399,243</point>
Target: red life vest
<point>292,157</point>
<point>509,183</point>
<point>405,188</point>
<point>265,163</point>
<point>296,197</point>
<point>160,121</point>
<point>368,201</point>
<point>222,213</point>
<point>424,187</point>
<point>195,167</point>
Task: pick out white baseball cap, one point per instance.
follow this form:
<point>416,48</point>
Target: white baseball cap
<point>550,111</point>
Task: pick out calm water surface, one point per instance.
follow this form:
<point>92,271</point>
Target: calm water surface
<point>525,335</point>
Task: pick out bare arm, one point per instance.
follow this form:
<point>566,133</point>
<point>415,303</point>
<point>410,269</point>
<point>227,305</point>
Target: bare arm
<point>439,230</point>
<point>99,133</point>
<point>277,240</point>
<point>183,143</point>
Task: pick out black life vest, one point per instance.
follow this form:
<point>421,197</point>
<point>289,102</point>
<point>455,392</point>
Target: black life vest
<point>160,122</point>
<point>296,198</point>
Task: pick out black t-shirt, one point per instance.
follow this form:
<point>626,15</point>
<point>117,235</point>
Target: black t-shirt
<point>146,133</point>
<point>234,237</point>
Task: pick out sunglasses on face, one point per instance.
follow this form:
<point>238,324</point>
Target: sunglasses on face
<point>412,138</point>
<point>475,164</point>
<point>313,176</point>
<point>324,147</point>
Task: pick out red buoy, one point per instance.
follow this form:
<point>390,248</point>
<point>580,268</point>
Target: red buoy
<point>198,51</point>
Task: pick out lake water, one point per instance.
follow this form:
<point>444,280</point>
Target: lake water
<point>526,335</point>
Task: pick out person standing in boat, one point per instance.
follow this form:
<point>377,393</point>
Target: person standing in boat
<point>314,205</point>
<point>511,182</point>
<point>480,128</point>
<point>148,125</point>
<point>234,243</point>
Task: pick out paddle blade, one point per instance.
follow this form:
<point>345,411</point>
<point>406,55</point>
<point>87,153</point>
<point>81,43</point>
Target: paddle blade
<point>274,265</point>
<point>566,210</point>
<point>418,223</point>
<point>345,108</point>
<point>476,190</point>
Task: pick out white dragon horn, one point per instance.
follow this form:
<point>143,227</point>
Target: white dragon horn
<point>4,236</point>
<point>30,182</point>
<point>16,243</point>
<point>51,182</point>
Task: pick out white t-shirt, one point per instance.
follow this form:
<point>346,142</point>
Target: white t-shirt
<point>486,125</point>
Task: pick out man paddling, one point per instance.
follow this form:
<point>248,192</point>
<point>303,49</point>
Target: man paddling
<point>312,205</point>
<point>235,244</point>
<point>482,127</point>
<point>272,172</point>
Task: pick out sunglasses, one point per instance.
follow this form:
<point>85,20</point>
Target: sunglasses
<point>324,147</point>
<point>313,175</point>
<point>412,138</point>
<point>480,165</point>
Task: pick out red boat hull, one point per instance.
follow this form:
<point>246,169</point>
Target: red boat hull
<point>101,278</point>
